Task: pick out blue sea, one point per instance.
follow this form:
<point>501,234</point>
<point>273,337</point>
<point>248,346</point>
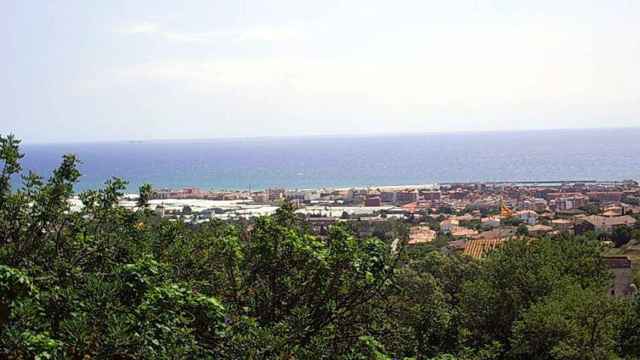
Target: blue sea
<point>314,162</point>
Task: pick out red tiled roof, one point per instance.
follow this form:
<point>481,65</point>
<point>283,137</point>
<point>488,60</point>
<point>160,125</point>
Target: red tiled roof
<point>478,248</point>
<point>411,207</point>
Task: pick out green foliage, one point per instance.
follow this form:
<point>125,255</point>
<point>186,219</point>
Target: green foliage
<point>472,224</point>
<point>138,278</point>
<point>621,235</point>
<point>631,200</point>
<point>441,240</point>
<point>31,345</point>
<point>420,307</point>
<point>517,275</point>
<point>628,339</point>
<point>368,349</point>
<point>445,209</point>
<point>175,321</point>
<point>591,208</point>
<point>10,160</point>
<point>433,221</point>
<point>571,323</point>
<point>522,230</point>
<point>512,221</point>
<point>14,283</point>
<point>144,195</point>
<point>386,231</point>
<point>106,282</point>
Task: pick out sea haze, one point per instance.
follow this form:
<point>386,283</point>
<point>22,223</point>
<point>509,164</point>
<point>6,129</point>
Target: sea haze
<point>313,162</point>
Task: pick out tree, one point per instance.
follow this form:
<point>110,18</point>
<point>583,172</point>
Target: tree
<point>628,337</point>
<point>311,283</point>
<point>63,293</point>
<point>571,323</point>
<point>144,196</point>
<point>621,235</point>
<point>517,275</point>
<point>591,208</point>
<point>418,318</point>
<point>512,221</point>
<point>522,230</point>
<point>10,156</point>
<point>14,285</point>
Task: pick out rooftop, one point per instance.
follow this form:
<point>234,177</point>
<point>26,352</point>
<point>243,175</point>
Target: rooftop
<point>618,262</point>
<point>421,235</point>
<point>478,248</point>
<point>610,221</point>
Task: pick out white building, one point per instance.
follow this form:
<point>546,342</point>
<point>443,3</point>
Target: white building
<point>539,205</point>
<point>529,217</point>
<point>312,195</point>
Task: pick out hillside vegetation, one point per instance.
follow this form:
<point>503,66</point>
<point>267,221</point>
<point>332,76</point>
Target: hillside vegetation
<point>107,282</point>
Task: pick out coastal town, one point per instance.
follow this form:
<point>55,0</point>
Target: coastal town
<point>467,212</point>
<point>467,218</point>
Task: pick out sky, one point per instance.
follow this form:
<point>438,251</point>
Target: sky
<point>77,70</point>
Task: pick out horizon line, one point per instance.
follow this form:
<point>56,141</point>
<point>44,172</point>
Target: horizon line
<point>335,135</point>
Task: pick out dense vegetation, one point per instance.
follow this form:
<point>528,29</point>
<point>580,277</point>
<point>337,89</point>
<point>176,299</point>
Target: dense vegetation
<point>106,282</point>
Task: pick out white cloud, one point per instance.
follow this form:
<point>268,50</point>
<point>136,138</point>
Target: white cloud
<point>493,67</point>
<point>497,71</point>
<point>140,28</point>
<point>250,34</point>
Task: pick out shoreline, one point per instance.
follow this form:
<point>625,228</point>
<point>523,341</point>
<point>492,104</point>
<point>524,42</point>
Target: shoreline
<point>424,186</point>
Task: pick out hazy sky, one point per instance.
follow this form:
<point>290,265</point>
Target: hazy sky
<point>149,69</point>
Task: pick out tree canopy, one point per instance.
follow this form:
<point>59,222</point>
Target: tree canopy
<point>107,282</point>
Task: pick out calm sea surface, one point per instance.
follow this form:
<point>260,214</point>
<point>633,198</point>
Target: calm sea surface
<point>311,162</point>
